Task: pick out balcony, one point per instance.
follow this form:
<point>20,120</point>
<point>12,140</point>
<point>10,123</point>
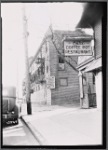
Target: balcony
<point>40,79</point>
<point>37,78</point>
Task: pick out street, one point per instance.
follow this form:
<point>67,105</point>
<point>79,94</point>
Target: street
<point>18,135</point>
<point>67,126</point>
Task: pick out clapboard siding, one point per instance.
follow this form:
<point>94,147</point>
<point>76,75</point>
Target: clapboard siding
<point>38,97</point>
<point>68,94</point>
<point>98,37</point>
<point>48,96</point>
<point>59,95</point>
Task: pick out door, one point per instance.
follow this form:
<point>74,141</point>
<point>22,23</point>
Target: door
<point>89,93</point>
<point>91,89</point>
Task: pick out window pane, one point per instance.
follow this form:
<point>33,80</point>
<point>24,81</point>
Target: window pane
<point>61,60</point>
<point>61,63</point>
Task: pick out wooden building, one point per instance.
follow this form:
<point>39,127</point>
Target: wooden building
<point>90,67</point>
<point>54,77</point>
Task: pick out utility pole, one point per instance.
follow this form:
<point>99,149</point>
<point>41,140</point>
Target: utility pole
<point>27,82</point>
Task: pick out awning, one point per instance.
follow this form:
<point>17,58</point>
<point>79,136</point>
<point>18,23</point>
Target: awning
<point>94,65</point>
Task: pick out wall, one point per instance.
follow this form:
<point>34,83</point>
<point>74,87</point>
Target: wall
<point>61,94</point>
<point>99,90</point>
<point>38,97</point>
<point>47,72</point>
<point>98,38</point>
<point>98,46</point>
<point>67,94</point>
<point>43,95</point>
<point>98,84</point>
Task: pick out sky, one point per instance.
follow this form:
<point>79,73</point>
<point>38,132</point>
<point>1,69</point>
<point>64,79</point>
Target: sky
<point>62,16</point>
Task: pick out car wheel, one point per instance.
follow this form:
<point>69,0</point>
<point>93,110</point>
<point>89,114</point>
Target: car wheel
<point>16,121</point>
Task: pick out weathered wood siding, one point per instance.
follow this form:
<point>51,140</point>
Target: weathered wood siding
<point>98,39</point>
<point>63,94</point>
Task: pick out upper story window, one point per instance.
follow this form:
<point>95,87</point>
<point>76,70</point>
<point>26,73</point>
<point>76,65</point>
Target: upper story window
<point>63,81</point>
<point>60,63</point>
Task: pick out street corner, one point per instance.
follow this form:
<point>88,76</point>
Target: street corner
<point>39,137</point>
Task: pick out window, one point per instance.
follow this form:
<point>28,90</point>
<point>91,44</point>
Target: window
<point>61,60</point>
<point>63,82</point>
<point>61,63</point>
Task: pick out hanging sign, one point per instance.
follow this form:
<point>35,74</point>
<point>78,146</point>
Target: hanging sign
<point>78,48</point>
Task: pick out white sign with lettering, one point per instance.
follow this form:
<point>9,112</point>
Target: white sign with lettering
<point>51,82</point>
<point>78,48</point>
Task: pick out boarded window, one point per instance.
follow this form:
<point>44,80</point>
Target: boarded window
<point>63,82</point>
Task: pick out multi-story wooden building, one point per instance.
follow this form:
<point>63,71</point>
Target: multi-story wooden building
<point>54,77</point>
<point>90,67</point>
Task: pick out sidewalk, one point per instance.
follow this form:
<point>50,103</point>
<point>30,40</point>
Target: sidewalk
<point>66,126</point>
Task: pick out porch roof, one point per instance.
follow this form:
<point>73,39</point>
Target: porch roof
<point>94,65</point>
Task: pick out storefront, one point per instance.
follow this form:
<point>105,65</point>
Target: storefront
<point>90,78</point>
<point>90,68</point>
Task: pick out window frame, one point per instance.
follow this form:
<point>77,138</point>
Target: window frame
<point>66,82</point>
<point>59,57</point>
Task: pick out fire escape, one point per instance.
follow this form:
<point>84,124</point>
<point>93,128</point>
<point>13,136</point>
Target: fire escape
<point>38,77</point>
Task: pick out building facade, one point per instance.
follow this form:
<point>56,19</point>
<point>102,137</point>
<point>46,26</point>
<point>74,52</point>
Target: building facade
<point>90,67</point>
<point>54,77</point>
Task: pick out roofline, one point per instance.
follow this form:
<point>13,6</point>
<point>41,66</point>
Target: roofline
<point>87,19</point>
<point>36,54</point>
<point>90,37</point>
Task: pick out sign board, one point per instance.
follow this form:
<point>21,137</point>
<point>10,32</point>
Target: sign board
<point>51,82</point>
<point>78,48</point>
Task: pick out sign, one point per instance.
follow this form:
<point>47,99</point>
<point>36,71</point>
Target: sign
<point>78,48</point>
<point>51,82</point>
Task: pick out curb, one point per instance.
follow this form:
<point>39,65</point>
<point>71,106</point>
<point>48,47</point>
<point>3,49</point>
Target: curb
<point>36,134</point>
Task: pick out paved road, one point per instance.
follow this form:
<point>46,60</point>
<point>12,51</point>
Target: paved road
<point>18,135</point>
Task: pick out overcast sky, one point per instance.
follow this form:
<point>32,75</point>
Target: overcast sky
<point>62,16</point>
